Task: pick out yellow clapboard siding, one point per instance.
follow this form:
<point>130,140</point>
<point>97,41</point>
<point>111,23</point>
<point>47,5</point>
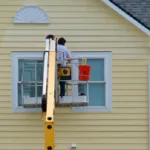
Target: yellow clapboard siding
<point>138,60</point>
<point>77,140</point>
<point>100,122</point>
<point>120,62</point>
<point>80,146</point>
<point>76,45</point>
<point>103,140</point>
<point>75,128</point>
<point>28,140</point>
<point>58,8</point>
<point>130,104</point>
<point>129,74</point>
<point>21,147</point>
<point>75,122</point>
<point>51,2</point>
<point>128,86</point>
<point>75,20</point>
<point>71,32</point>
<point>130,68</point>
<point>5,68</point>
<point>22,123</point>
<point>23,135</point>
<point>77,39</point>
<point>130,57</point>
<point>130,92</point>
<point>76,135</point>
<point>5,80</point>
<point>130,110</point>
<point>101,134</point>
<point>79,116</point>
<point>130,98</point>
<point>105,146</point>
<point>114,111</point>
<point>100,116</point>
<point>130,80</point>
<point>20,116</point>
<point>5,86</point>
<point>73,27</point>
<point>103,14</point>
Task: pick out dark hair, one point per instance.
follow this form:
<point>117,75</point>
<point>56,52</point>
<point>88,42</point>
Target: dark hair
<point>61,41</point>
<point>50,36</point>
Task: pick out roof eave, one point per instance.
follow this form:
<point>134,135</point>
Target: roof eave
<point>126,16</point>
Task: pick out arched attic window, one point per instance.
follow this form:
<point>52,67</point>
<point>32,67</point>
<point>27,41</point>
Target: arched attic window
<point>31,14</point>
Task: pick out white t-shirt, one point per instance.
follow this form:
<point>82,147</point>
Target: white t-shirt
<point>63,53</point>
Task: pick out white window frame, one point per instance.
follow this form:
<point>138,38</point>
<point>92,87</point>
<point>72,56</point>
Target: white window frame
<point>107,56</point>
<point>15,57</point>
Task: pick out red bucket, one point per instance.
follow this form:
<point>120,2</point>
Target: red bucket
<point>84,72</point>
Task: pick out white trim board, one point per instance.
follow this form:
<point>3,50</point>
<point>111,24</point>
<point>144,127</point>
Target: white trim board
<point>126,16</point>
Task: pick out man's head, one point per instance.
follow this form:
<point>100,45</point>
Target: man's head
<point>50,36</point>
<point>61,41</point>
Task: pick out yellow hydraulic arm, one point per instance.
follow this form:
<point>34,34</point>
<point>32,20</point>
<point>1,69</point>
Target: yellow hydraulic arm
<point>48,99</point>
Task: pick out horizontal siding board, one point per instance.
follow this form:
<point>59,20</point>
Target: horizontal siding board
<point>102,134</point>
<point>79,116</point>
<point>51,2</point>
<point>103,140</point>
<point>59,8</point>
<point>76,45</point>
<point>63,14</point>
<point>114,111</point>
<point>76,135</point>
<point>75,20</point>
<point>106,146</point>
<point>76,140</point>
<point>101,122</point>
<point>100,116</point>
<point>80,146</point>
<point>130,80</point>
<point>70,26</point>
<point>76,122</point>
<point>70,33</point>
<point>76,128</point>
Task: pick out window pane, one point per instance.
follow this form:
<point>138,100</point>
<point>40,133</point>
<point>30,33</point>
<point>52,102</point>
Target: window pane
<point>97,95</point>
<point>29,90</point>
<point>29,72</point>
<point>39,91</point>
<point>39,73</point>
<point>97,69</point>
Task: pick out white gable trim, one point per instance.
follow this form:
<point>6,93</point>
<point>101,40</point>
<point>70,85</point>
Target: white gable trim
<point>126,16</point>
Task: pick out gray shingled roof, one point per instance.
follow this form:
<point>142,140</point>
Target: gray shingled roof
<point>138,9</point>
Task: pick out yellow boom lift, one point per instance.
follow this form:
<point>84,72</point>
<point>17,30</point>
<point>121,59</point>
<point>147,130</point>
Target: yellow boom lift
<point>49,91</point>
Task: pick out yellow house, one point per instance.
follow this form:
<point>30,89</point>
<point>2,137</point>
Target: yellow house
<point>117,117</point>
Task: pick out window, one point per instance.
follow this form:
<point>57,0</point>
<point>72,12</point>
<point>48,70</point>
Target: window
<point>100,84</point>
<point>27,76</point>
